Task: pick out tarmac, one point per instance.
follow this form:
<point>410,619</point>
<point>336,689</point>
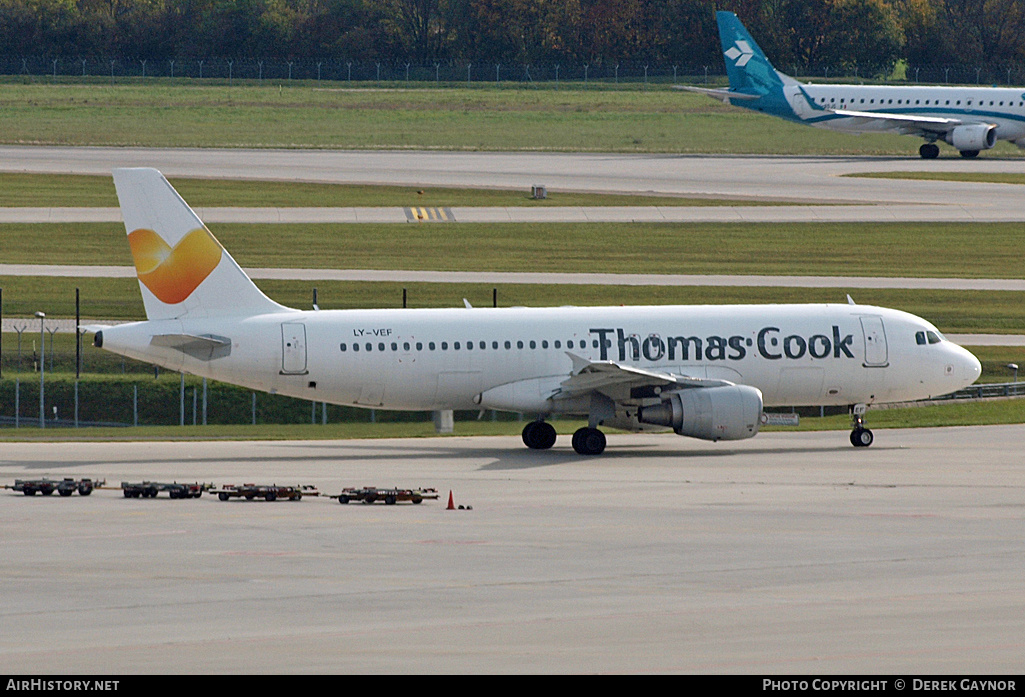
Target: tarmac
<point>790,553</point>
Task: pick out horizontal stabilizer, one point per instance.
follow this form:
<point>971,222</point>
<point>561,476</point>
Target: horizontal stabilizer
<point>718,93</point>
<point>205,348</point>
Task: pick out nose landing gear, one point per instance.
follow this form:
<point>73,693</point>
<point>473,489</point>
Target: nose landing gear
<point>861,437</point>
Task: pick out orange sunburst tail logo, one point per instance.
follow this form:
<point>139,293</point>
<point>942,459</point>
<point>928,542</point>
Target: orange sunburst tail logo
<point>173,273</point>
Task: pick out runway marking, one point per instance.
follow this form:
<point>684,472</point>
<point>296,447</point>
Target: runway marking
<point>429,214</point>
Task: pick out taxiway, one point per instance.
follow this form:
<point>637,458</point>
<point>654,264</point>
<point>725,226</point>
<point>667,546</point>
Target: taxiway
<point>789,553</point>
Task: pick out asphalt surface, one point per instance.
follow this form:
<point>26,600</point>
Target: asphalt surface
<point>806,180</point>
<point>791,553</point>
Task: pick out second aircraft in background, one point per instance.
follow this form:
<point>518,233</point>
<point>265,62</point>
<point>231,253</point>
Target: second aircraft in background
<point>969,118</point>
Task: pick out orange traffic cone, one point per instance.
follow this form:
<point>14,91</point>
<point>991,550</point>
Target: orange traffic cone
<point>451,505</point>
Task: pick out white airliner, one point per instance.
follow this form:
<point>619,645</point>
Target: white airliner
<point>969,118</point>
<point>702,371</point>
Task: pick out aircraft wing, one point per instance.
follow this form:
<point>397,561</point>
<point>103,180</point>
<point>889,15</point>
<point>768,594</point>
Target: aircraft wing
<point>912,123</point>
<point>722,93</point>
<point>616,380</point>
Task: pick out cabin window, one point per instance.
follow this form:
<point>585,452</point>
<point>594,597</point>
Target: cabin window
<point>544,343</point>
<point>394,346</point>
<point>380,346</point>
<point>369,346</point>
<point>494,345</point>
<point>444,346</point>
<point>558,343</point>
<point>419,346</point>
<point>405,346</point>
<point>342,347</point>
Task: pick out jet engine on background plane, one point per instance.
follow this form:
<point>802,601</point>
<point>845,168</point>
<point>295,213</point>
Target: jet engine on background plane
<point>976,136</point>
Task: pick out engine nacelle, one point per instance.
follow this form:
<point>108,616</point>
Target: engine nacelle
<point>730,412</point>
<point>976,136</point>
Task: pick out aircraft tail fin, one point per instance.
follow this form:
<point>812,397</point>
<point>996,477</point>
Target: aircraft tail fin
<point>183,270</point>
<point>747,66</point>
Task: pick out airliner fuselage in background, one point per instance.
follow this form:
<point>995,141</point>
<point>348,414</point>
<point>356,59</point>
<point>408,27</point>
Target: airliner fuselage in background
<point>702,371</point>
<point>969,118</point>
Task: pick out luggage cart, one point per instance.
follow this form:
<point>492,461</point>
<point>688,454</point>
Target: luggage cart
<point>267,492</point>
<point>65,487</point>
<point>176,490</point>
<point>372,494</point>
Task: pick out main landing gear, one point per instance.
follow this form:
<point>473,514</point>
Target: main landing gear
<point>861,437</point>
<point>540,435</point>
<point>589,441</point>
<point>930,151</point>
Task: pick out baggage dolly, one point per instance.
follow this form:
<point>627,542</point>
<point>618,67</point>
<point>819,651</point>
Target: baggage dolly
<point>175,490</point>
<point>371,494</point>
<point>267,492</point>
<point>64,487</point>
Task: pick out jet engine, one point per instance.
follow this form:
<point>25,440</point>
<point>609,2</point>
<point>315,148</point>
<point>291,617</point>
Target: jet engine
<point>976,136</point>
<point>729,412</point>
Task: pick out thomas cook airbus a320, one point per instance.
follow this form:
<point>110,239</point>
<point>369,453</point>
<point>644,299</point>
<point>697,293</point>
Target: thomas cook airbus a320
<point>703,371</point>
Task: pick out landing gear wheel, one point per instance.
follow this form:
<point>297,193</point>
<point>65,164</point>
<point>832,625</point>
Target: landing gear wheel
<point>539,435</point>
<point>589,441</point>
<point>861,438</point>
<point>968,154</point>
<point>929,151</point>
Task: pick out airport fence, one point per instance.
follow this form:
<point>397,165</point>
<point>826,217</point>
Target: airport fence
<point>68,69</point>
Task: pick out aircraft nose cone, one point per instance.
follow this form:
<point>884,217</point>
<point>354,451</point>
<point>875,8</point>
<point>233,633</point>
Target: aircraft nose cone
<point>967,366</point>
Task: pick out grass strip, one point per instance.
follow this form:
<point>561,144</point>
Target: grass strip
<point>930,250</point>
<point>984,177</point>
<point>634,118</point>
<point>74,190</point>
<point>119,299</point>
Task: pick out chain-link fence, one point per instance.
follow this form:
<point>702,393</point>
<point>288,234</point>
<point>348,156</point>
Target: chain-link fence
<point>352,70</point>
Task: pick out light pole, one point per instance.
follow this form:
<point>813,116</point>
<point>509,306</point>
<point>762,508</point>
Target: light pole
<point>42,369</point>
<point>1014,367</point>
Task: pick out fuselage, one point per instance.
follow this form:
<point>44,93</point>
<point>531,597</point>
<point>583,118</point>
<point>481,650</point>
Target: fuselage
<point>814,104</point>
<point>516,358</point>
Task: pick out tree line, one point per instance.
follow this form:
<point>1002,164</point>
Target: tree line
<point>868,36</point>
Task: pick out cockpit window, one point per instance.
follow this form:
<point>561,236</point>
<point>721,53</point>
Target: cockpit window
<point>927,337</point>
